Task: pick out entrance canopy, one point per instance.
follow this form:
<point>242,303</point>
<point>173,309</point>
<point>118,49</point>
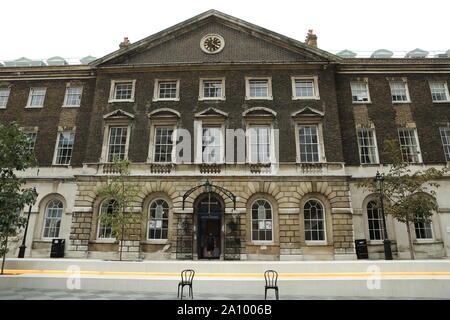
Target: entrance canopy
<point>209,188</point>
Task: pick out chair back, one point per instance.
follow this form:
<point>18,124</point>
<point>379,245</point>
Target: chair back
<point>187,275</point>
<point>271,277</point>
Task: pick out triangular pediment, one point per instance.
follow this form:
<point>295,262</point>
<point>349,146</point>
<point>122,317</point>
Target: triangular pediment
<point>308,112</point>
<point>211,112</point>
<point>118,114</point>
<point>243,43</point>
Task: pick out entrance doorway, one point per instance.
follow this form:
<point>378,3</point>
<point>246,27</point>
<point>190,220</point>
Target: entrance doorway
<point>209,211</point>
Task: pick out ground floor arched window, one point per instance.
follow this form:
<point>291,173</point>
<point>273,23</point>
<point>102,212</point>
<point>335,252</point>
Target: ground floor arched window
<point>262,221</point>
<point>52,219</point>
<point>375,219</point>
<point>104,228</point>
<point>314,217</point>
<point>158,219</point>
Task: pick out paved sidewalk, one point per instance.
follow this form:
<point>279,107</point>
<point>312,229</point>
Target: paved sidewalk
<point>52,294</point>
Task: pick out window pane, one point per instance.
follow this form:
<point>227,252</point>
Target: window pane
<point>211,145</point>
<point>259,88</point>
<point>158,220</point>
<point>262,223</point>
<point>37,97</point>
<point>445,136</point>
<point>65,146</point>
<point>52,222</point>
<point>163,144</point>
<point>4,95</point>
<point>409,146</point>
<point>123,91</point>
<point>304,88</point>
<point>398,91</point>
<point>73,96</point>
<point>439,91</point>
<point>360,91</point>
<point>212,89</point>
<point>367,146</point>
<point>423,230</point>
<point>314,219</point>
<point>117,143</point>
<point>309,143</point>
<point>167,89</point>
<point>260,144</point>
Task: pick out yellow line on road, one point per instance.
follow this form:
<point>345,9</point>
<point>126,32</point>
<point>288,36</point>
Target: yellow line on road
<point>228,275</point>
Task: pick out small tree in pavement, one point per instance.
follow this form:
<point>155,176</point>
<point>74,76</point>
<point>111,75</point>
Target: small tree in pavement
<point>15,155</point>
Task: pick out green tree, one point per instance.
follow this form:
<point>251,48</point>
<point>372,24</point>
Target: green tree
<point>120,195</point>
<point>15,155</point>
<point>410,195</point>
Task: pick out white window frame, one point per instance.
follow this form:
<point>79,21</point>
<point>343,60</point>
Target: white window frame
<point>272,157</point>
<point>45,219</point>
<point>447,155</point>
<point>319,141</point>
<point>319,126</point>
<point>8,90</point>
<point>35,132</point>
<point>152,149</point>
<point>314,79</point>
<point>201,92</point>
<point>366,83</point>
<point>262,242</point>
<point>106,133</point>
<point>98,239</point>
<point>157,240</point>
<point>269,88</point>
<point>447,100</point>
<point>112,92</point>
<point>156,90</point>
<point>424,240</point>
<point>30,95</point>
<point>380,219</point>
<point>198,139</point>
<point>419,153</point>
<point>65,104</point>
<point>55,154</point>
<point>405,82</point>
<point>316,242</point>
<point>221,142</point>
<point>377,159</point>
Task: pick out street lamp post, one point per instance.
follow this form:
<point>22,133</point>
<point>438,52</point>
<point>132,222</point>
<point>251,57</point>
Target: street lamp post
<point>379,179</point>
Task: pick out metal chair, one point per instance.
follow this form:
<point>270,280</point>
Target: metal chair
<point>186,280</point>
<point>271,277</point>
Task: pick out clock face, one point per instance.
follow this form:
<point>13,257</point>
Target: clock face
<point>212,43</point>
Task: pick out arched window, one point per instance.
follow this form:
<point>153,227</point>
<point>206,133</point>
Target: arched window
<point>158,220</point>
<point>314,221</point>
<point>262,221</point>
<point>104,228</point>
<point>52,220</point>
<point>375,219</point>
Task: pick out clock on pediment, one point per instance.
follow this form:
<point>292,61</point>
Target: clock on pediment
<point>212,43</point>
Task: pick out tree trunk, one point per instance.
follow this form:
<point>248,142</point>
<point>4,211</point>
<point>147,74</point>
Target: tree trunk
<point>4,256</point>
<point>121,246</point>
<point>411,245</point>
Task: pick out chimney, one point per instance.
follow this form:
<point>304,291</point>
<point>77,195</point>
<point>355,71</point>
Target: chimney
<point>311,39</point>
<point>125,43</point>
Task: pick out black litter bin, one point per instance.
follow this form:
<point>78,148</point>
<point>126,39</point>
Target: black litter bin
<point>57,248</point>
<point>361,249</point>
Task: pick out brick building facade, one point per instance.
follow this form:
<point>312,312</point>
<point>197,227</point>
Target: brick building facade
<point>298,200</point>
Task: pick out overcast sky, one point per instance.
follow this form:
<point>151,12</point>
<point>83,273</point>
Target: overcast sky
<point>39,29</point>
